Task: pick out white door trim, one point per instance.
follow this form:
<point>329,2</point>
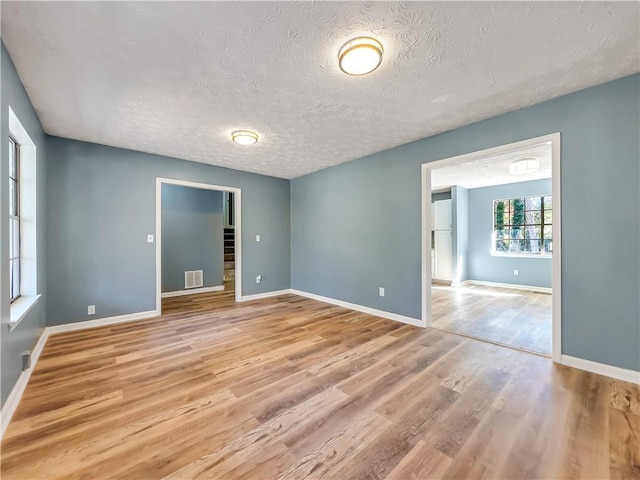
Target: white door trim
<point>237,231</point>
<point>554,138</point>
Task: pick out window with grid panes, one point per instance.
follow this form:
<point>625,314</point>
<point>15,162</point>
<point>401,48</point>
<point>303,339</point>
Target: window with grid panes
<point>523,225</point>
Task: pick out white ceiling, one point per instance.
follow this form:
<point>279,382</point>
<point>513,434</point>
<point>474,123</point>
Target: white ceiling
<point>176,78</point>
<point>493,170</point>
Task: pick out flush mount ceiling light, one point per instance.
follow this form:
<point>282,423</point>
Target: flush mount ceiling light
<point>360,56</point>
<point>244,137</point>
<point>525,165</point>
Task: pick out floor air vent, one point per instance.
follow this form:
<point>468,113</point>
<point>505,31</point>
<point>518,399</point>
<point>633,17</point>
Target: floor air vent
<point>193,279</point>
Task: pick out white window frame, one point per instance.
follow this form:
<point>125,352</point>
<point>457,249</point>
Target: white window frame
<point>29,295</point>
<point>14,218</point>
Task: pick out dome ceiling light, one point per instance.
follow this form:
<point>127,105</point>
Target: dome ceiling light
<point>244,137</point>
<point>524,165</point>
<point>360,56</point>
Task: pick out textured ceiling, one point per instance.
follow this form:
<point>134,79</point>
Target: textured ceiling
<point>493,170</point>
<point>176,78</point>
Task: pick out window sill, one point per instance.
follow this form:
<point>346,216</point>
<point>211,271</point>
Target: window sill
<point>521,255</point>
<point>20,308</point>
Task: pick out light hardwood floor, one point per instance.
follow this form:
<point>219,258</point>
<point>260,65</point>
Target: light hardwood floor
<point>516,318</point>
<point>292,388</point>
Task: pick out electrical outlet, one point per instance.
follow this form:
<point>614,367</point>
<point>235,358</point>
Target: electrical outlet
<point>516,272</point>
<point>381,291</point>
<point>150,238</point>
<point>91,310</point>
<point>257,238</point>
<point>258,278</point>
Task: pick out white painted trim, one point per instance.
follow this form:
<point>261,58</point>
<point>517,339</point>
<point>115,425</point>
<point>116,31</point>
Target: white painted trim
<point>360,308</point>
<point>522,255</point>
<point>554,138</point>
<point>192,291</point>
<point>101,322</point>
<point>556,260</point>
<point>426,246</point>
<point>28,207</point>
<point>257,296</point>
<point>512,286</point>
<point>623,374</point>
<point>237,231</point>
<point>14,397</point>
<point>20,308</point>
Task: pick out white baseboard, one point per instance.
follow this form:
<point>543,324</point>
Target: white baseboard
<point>14,397</point>
<point>258,296</point>
<point>512,286</point>
<point>618,373</point>
<point>192,291</point>
<point>101,322</point>
<point>361,308</point>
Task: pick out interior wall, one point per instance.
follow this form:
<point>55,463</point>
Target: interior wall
<point>102,201</point>
<point>26,334</point>
<point>192,236</point>
<point>483,265</point>
<point>357,226</point>
<point>460,233</point>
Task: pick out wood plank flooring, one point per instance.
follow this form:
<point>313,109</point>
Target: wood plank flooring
<point>517,318</point>
<point>292,388</point>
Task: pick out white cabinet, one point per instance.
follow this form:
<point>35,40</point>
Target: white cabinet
<point>441,215</point>
<point>442,254</point>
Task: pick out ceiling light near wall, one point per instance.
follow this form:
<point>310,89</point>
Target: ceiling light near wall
<point>525,165</point>
<point>244,137</point>
<point>360,56</point>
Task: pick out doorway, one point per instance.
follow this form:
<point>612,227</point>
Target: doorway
<point>491,245</point>
<point>215,276</point>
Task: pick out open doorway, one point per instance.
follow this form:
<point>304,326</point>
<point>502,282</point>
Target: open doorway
<point>491,240</point>
<point>198,254</point>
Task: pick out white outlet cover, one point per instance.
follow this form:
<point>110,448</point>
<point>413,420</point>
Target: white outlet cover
<point>516,272</point>
<point>381,291</point>
<point>91,310</point>
<point>150,238</point>
<point>257,238</point>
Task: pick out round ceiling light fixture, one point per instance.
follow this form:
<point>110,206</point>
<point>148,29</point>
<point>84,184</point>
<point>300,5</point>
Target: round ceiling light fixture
<point>360,56</point>
<point>524,165</point>
<point>244,137</point>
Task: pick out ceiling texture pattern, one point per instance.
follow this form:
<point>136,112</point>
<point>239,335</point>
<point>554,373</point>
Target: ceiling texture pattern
<point>176,78</point>
<point>486,171</point>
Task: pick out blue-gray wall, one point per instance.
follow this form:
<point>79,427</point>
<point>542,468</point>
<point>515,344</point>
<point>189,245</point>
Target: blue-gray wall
<point>483,265</point>
<point>192,236</point>
<point>26,334</point>
<point>460,233</point>
<point>356,226</point>
<point>102,202</point>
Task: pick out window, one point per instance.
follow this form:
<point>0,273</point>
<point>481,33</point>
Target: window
<point>523,225</point>
<point>23,256</point>
<point>14,219</point>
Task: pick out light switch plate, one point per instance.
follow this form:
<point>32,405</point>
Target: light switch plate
<point>150,238</point>
<point>257,238</point>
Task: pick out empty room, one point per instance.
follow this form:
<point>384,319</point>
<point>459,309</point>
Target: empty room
<point>286,240</point>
